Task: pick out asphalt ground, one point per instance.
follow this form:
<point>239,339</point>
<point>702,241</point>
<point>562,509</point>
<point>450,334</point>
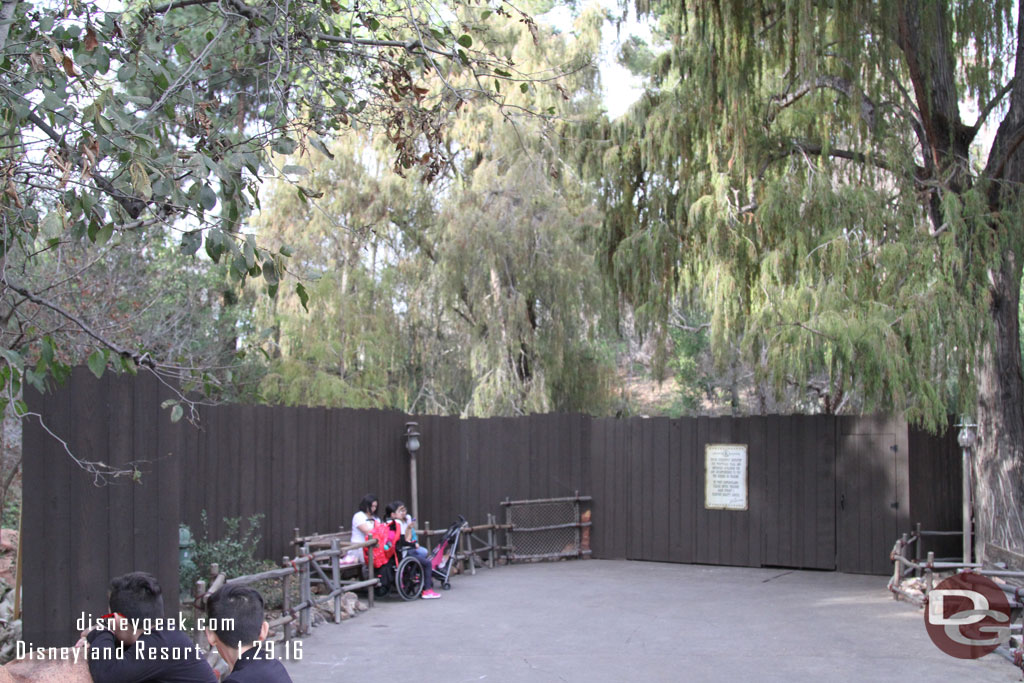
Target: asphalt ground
<point>601,620</point>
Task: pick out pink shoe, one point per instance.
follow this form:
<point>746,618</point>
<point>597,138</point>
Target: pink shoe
<point>430,595</point>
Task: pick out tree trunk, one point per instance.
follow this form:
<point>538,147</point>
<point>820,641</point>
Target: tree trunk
<point>999,454</point>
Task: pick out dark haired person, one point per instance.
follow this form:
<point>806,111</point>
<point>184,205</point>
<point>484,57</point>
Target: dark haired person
<point>363,522</point>
<point>237,612</point>
<point>395,514</point>
<point>126,652</point>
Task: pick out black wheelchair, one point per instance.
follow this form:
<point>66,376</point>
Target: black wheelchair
<point>403,574</point>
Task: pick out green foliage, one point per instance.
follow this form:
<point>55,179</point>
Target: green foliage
<point>12,510</point>
<point>691,351</point>
<point>476,297</point>
<point>139,136</point>
<point>234,552</point>
<point>780,165</point>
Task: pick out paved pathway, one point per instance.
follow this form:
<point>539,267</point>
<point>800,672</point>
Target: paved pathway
<point>600,620</point>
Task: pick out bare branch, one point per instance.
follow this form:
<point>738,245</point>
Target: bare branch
<point>102,472</point>
<point>840,85</point>
<point>990,105</point>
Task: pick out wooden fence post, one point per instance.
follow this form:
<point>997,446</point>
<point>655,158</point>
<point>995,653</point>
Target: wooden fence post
<point>306,595</point>
<point>917,549</point>
<point>286,601</point>
<point>490,539</point>
<point>368,573</point>
<point>336,577</point>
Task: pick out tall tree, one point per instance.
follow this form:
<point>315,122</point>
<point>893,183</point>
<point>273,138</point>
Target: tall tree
<point>165,114</point>
<point>821,171</point>
<point>474,296</point>
<point>372,335</point>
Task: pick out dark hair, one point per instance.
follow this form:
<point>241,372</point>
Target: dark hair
<point>241,609</point>
<point>366,504</point>
<point>392,507</point>
<point>136,595</point>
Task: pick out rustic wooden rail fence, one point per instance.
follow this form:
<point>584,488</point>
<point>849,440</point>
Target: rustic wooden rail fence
<point>478,545</point>
<point>929,567</point>
<point>300,568</point>
<point>552,527</point>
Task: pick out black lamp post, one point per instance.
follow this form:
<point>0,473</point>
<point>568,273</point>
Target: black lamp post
<point>412,444</point>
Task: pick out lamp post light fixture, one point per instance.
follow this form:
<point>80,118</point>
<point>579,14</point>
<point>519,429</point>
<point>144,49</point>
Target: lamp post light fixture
<point>412,445</point>
<point>967,438</point>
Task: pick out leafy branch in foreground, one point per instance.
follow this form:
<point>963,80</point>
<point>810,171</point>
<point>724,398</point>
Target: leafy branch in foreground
<point>123,132</point>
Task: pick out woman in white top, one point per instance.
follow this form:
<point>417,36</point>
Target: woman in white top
<point>362,525</point>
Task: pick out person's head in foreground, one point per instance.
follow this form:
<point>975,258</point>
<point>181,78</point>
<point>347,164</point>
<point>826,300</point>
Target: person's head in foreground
<point>136,595</point>
<point>237,614</point>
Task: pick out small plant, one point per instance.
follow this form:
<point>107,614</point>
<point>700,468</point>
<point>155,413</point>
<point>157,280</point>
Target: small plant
<point>12,511</point>
<point>234,552</point>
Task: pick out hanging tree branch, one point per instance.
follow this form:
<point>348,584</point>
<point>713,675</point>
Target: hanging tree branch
<point>139,359</point>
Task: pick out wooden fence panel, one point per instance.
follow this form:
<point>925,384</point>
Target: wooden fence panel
<point>536,426</point>
<point>824,555</point>
<point>936,481</point>
<point>120,513</point>
<point>660,430</point>
<point>873,487</point>
<point>88,434</point>
<point>752,433</point>
<point>682,492</point>
<point>167,513</point>
<point>47,601</point>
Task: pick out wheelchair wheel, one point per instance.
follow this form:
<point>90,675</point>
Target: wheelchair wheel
<point>410,578</point>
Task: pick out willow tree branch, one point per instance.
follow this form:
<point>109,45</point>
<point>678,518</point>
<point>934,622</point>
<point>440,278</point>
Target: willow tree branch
<point>815,149</point>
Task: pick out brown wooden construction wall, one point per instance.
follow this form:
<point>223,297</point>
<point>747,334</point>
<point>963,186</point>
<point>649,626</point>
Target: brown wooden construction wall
<point>872,482</point>
<point>77,535</point>
<point>936,480</point>
<point>824,492</point>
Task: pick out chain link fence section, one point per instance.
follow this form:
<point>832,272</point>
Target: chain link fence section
<point>547,529</point>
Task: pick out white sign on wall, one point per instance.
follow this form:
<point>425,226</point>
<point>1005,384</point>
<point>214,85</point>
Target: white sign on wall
<point>725,476</point>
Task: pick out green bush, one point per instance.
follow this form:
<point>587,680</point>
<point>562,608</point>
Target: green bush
<point>234,552</point>
<point>12,510</point>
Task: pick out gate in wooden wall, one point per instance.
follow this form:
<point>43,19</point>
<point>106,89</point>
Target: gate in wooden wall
<point>653,473</point>
<point>824,492</point>
<point>872,508</point>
